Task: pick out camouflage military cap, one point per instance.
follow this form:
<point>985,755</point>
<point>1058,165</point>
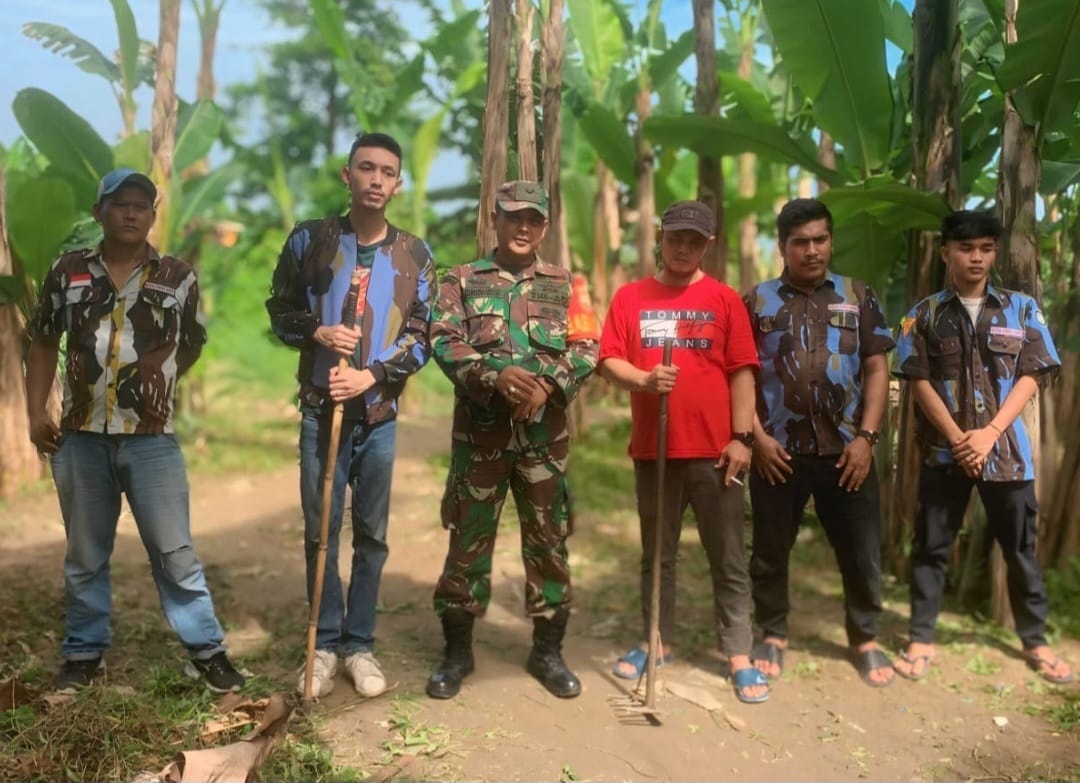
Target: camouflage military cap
<point>691,215</point>
<point>521,194</point>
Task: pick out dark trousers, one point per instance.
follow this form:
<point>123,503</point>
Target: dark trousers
<point>719,513</point>
<point>1011,513</point>
<point>852,523</point>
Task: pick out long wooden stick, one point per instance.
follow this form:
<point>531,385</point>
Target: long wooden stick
<point>348,318</point>
<point>655,643</point>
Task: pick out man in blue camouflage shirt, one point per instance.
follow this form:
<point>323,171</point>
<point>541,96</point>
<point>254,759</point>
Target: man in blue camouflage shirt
<point>975,355</point>
<point>822,341</point>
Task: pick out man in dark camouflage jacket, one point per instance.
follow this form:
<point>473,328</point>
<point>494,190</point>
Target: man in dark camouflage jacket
<point>974,355</point>
<point>133,327</point>
<point>500,334</point>
<point>822,341</point>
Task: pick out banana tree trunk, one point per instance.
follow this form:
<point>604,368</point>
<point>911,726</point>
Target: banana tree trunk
<point>748,229</point>
<point>496,121</point>
<point>556,247</point>
<point>707,103</point>
<point>526,105</point>
<point>935,140</point>
<point>1018,262</point>
<point>19,463</point>
<point>163,119</point>
<point>646,229</point>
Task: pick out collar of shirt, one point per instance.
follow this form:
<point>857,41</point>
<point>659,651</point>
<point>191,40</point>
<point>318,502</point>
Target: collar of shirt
<point>950,293</point>
<point>831,279</point>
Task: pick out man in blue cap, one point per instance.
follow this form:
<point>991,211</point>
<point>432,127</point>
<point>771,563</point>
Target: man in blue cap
<point>133,327</point>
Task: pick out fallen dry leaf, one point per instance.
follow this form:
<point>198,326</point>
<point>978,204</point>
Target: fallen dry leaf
<point>14,694</point>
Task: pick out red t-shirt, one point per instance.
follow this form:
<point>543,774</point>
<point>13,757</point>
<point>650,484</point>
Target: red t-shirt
<point>712,340</point>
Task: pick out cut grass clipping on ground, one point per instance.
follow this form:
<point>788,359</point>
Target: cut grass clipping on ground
<point>114,733</point>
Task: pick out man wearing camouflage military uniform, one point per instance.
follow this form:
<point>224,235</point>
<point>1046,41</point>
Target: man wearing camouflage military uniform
<point>133,327</point>
<point>975,355</point>
<point>822,341</point>
<point>500,334</point>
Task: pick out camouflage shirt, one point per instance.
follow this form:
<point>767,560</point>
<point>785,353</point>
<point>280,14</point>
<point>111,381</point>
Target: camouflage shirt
<point>811,348</point>
<point>973,367</point>
<point>122,346</point>
<point>309,288</point>
<point>487,319</point>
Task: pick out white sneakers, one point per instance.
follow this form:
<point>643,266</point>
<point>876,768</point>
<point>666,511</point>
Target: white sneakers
<point>322,677</point>
<point>362,669</point>
<point>366,675</point>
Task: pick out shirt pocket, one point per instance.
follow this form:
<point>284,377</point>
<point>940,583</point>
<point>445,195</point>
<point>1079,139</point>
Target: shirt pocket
<point>846,324</point>
<point>1005,353</point>
<point>945,360</point>
<point>776,337</point>
<point>547,326</point>
<point>157,313</point>
<point>485,322</point>
<point>80,307</point>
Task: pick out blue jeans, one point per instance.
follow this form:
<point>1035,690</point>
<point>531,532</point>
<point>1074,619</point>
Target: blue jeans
<point>90,471</point>
<point>365,462</point>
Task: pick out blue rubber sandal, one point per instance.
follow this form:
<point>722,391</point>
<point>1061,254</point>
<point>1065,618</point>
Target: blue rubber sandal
<point>748,678</point>
<point>639,659</point>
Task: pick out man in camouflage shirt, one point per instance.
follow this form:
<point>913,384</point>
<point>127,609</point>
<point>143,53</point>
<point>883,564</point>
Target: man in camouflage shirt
<point>500,334</point>
<point>133,327</point>
<point>975,355</point>
<point>822,341</point>
<point>386,346</point>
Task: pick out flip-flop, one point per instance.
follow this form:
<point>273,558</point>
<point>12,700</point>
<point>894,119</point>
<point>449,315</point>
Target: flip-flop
<point>767,651</point>
<point>747,678</point>
<point>639,659</point>
<point>913,662</point>
<point>1037,662</point>
<point>869,660</point>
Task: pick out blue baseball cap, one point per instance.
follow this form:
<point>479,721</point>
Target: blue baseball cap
<point>117,178</point>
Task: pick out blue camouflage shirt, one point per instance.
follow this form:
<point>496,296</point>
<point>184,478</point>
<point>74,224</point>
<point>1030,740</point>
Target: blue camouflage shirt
<point>811,348</point>
<point>973,367</point>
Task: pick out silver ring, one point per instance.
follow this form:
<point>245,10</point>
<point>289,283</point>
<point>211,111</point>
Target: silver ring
<point>512,390</point>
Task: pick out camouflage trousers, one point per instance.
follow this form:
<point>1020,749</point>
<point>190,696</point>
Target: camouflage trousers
<point>475,492</point>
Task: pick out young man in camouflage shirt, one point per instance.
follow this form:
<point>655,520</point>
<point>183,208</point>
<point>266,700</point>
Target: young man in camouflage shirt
<point>388,344</point>
<point>133,327</point>
<point>500,334</point>
<point>975,355</point>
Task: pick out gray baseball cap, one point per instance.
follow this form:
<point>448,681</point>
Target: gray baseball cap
<point>691,215</point>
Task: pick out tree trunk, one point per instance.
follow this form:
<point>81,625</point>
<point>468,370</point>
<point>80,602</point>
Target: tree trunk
<point>748,246</point>
<point>646,218</point>
<point>707,103</point>
<point>1018,262</point>
<point>19,462</point>
<point>826,155</point>
<point>496,121</point>
<point>209,16</point>
<point>936,168</point>
<point>526,105</point>
<point>556,245</point>
<point>163,119</point>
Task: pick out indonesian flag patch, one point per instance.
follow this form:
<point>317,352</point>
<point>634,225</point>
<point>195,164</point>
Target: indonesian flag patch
<point>80,281</point>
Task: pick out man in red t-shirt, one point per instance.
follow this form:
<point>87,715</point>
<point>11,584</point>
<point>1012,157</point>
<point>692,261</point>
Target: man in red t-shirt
<point>710,384</point>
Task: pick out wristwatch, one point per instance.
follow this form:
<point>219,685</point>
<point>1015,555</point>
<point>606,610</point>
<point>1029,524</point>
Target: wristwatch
<point>745,438</point>
<point>872,436</point>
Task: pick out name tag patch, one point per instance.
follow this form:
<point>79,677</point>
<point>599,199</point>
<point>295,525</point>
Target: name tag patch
<point>1003,331</point>
<point>843,307</point>
<point>164,289</point>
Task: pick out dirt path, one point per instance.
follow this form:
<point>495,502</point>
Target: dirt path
<point>966,721</point>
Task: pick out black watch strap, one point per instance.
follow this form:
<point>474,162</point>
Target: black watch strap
<point>872,436</point>
<point>745,438</point>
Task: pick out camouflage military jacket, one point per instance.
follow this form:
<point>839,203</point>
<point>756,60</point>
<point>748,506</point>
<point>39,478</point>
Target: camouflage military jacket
<point>487,319</point>
<point>122,345</point>
<point>973,367</point>
<point>811,348</point>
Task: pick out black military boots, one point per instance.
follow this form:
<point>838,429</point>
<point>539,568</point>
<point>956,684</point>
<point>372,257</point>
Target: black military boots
<point>457,662</point>
<point>545,660</point>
